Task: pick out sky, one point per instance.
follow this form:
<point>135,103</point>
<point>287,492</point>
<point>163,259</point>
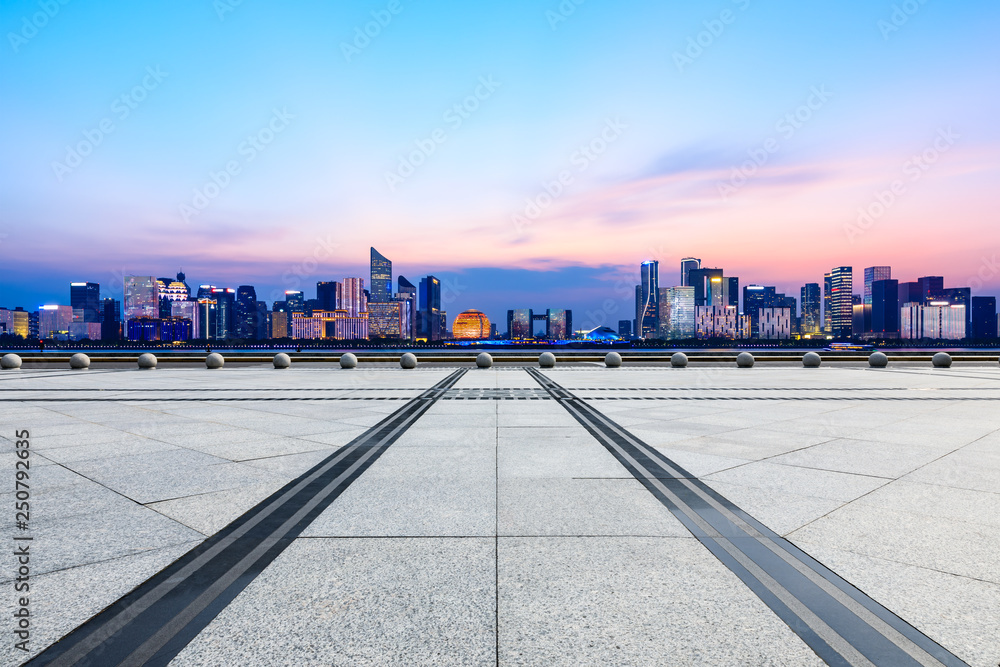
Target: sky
<point>529,153</point>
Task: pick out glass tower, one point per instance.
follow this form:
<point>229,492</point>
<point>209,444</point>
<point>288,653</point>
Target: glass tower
<point>381,275</point>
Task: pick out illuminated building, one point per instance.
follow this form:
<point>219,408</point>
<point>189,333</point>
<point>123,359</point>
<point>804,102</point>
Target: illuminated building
<point>386,319</point>
<point>774,323</point>
<point>279,321</point>
<point>225,312</point>
<point>872,274</point>
<point>84,299</point>
<point>601,334</point>
<point>677,313</point>
<point>429,316</point>
<point>812,321</point>
<point>142,297</point>
<point>245,320</point>
<point>625,328</point>
<point>647,316</point>
<point>688,264</point>
<point>885,308</point>
<point>519,323</point>
<point>173,290</point>
<point>54,321</point>
<point>208,313</point>
<point>296,301</point>
<point>938,320</point>
<point>381,278</point>
<point>558,324</point>
<point>143,329</point>
<point>14,322</point>
<point>328,295</point>
<point>717,322</point>
<point>841,302</point>
<point>111,319</point>
<point>471,325</point>
<point>827,303</point>
<point>336,324</point>
<point>175,329</point>
<point>407,296</point>
<point>700,280</point>
<point>352,297</point>
<point>187,310</point>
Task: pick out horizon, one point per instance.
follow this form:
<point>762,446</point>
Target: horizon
<point>531,155</point>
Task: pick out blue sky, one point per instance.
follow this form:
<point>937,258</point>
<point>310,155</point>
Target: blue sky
<point>890,87</point>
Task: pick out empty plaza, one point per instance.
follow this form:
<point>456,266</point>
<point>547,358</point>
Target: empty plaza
<point>512,515</point>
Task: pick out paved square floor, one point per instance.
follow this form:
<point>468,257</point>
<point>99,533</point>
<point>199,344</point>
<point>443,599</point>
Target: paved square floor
<point>494,516</point>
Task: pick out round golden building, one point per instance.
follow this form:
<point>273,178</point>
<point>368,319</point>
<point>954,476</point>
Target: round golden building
<point>471,325</point>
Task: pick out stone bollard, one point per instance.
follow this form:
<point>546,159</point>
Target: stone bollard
<point>679,360</point>
<point>147,361</point>
<point>282,360</point>
<point>878,360</point>
<point>348,360</point>
<point>484,360</point>
<point>10,362</point>
<point>941,360</point>
<point>811,360</point>
<point>215,360</point>
<point>613,360</point>
<point>744,360</point>
<point>408,360</point>
<point>546,360</point>
<point>79,361</point>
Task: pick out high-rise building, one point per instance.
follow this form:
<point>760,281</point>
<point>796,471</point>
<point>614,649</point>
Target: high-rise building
<point>406,293</point>
<point>910,293</point>
<point>958,296</point>
<point>352,297</point>
<point>280,320</point>
<point>208,319</point>
<point>812,321</point>
<point>774,324</point>
<point>54,321</point>
<point>225,313</point>
<point>842,302</point>
<point>828,303</point>
<point>262,322</point>
<point>687,265</point>
<point>328,295</point>
<point>246,312</point>
<point>984,317</point>
<point>381,275</point>
<point>85,301</point>
<point>756,298</point>
<point>519,323</point>
<point>930,287</point>
<point>625,328</point>
<point>650,296</point>
<point>111,319</point>
<point>872,273</point>
<point>429,317</point>
<point>885,308</point>
<point>677,313</point>
<point>386,319</point>
<point>14,322</point>
<point>701,280</point>
<point>296,301</point>
<point>173,290</point>
<point>938,320</point>
<point>187,310</point>
<point>142,297</point>
<point>717,322</point>
<point>558,324</point>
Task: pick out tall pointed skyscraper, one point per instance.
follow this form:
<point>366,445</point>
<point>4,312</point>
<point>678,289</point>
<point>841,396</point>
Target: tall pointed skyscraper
<point>381,274</point>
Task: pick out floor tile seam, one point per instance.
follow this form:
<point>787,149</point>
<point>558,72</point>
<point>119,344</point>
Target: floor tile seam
<point>141,552</point>
<point>915,512</point>
<point>947,454</point>
<point>837,509</point>
<point>916,566</point>
<point>838,472</point>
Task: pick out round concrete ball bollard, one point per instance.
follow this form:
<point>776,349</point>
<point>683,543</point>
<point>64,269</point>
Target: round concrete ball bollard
<point>10,362</point>
<point>348,360</point>
<point>546,360</point>
<point>408,360</point>
<point>613,360</point>
<point>941,360</point>
<point>484,360</point>
<point>282,360</point>
<point>679,360</point>
<point>811,360</point>
<point>147,361</point>
<point>79,361</point>
<point>744,360</point>
<point>878,360</point>
<point>215,360</point>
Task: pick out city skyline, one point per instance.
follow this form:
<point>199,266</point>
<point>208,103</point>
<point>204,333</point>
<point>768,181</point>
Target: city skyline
<point>564,162</point>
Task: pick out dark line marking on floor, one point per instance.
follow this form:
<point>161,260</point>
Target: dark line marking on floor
<point>840,623</point>
<point>153,623</point>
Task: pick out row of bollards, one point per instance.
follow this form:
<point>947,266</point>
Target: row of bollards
<point>147,361</point>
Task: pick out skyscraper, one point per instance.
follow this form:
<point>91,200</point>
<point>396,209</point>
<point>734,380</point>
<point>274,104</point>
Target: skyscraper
<point>225,312</point>
<point>328,295</point>
<point>701,281</point>
<point>755,299</point>
<point>872,273</point>
<point>812,322</point>
<point>929,287</point>
<point>406,292</point>
<point>111,319</point>
<point>677,316</point>
<point>142,297</point>
<point>296,301</point>
<point>519,323</point>
<point>429,318</point>
<point>885,308</point>
<point>842,302</point>
<point>828,303</point>
<point>352,298</point>
<point>984,317</point>
<point>381,275</point>
<point>84,299</point>
<point>650,296</point>
<point>687,264</point>
<point>246,312</point>
<point>558,324</point>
